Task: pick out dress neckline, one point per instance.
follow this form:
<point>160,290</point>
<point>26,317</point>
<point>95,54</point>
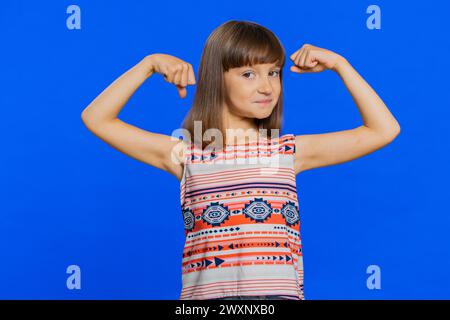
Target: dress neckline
<point>260,139</point>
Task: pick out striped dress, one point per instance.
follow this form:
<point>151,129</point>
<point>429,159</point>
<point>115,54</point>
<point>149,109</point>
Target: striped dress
<point>241,220</point>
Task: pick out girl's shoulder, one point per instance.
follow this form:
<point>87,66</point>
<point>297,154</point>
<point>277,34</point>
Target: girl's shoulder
<point>285,137</point>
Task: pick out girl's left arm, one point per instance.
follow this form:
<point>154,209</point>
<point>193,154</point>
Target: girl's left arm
<point>379,129</point>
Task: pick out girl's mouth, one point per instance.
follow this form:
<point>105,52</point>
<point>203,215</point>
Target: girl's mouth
<point>264,102</point>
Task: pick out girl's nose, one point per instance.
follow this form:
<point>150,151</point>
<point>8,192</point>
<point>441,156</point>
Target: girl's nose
<point>265,87</point>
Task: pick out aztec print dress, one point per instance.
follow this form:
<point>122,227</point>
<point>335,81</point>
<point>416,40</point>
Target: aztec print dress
<point>242,222</point>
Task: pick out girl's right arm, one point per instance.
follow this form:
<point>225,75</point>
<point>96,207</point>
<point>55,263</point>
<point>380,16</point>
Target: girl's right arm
<point>101,115</point>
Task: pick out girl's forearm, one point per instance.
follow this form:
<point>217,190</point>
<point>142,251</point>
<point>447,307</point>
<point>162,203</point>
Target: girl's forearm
<point>108,104</point>
<point>373,111</point>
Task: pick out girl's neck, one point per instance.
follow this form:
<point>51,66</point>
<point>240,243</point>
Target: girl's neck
<point>242,136</point>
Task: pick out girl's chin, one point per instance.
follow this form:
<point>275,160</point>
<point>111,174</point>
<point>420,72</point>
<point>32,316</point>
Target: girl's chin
<point>262,115</point>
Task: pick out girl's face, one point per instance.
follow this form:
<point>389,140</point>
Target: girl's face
<point>247,85</point>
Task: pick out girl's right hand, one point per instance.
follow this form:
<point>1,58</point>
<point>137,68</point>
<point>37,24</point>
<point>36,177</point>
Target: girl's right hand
<point>174,70</point>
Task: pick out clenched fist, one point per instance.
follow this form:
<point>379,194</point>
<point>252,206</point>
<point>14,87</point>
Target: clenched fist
<point>174,70</point>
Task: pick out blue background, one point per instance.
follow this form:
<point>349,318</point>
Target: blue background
<point>69,198</point>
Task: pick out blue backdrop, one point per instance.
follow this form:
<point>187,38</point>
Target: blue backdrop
<point>68,198</point>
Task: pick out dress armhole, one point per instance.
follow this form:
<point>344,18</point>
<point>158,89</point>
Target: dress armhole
<point>186,158</point>
<point>295,146</point>
<point>290,138</point>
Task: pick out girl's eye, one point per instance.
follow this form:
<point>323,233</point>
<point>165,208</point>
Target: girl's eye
<point>277,72</point>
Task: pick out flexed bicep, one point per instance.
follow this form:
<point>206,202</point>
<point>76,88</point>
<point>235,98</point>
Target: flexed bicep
<point>155,149</point>
<point>325,149</point>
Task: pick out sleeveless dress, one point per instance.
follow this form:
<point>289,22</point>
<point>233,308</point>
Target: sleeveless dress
<point>241,219</point>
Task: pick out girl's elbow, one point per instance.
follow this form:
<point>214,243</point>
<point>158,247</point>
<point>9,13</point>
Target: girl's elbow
<point>393,134</point>
<point>88,120</point>
<point>397,130</point>
<point>85,117</point>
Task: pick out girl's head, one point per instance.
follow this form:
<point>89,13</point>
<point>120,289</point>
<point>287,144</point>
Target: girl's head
<point>241,63</point>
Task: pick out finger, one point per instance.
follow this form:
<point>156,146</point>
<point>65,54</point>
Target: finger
<point>303,58</point>
<point>172,73</point>
<point>168,75</point>
<point>191,75</point>
<point>181,91</point>
<point>305,70</point>
<point>178,73</point>
<point>309,57</point>
<point>184,75</point>
<point>314,64</point>
<point>297,59</point>
<point>294,55</point>
<point>317,68</point>
<point>297,69</point>
<point>297,56</point>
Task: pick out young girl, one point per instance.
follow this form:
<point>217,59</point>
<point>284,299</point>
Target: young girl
<point>238,193</point>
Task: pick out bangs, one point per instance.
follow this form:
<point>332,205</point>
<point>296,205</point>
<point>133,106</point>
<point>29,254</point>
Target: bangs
<point>252,46</point>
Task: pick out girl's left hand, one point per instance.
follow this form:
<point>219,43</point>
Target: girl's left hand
<point>310,58</point>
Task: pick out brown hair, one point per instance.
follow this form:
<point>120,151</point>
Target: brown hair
<point>233,44</point>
